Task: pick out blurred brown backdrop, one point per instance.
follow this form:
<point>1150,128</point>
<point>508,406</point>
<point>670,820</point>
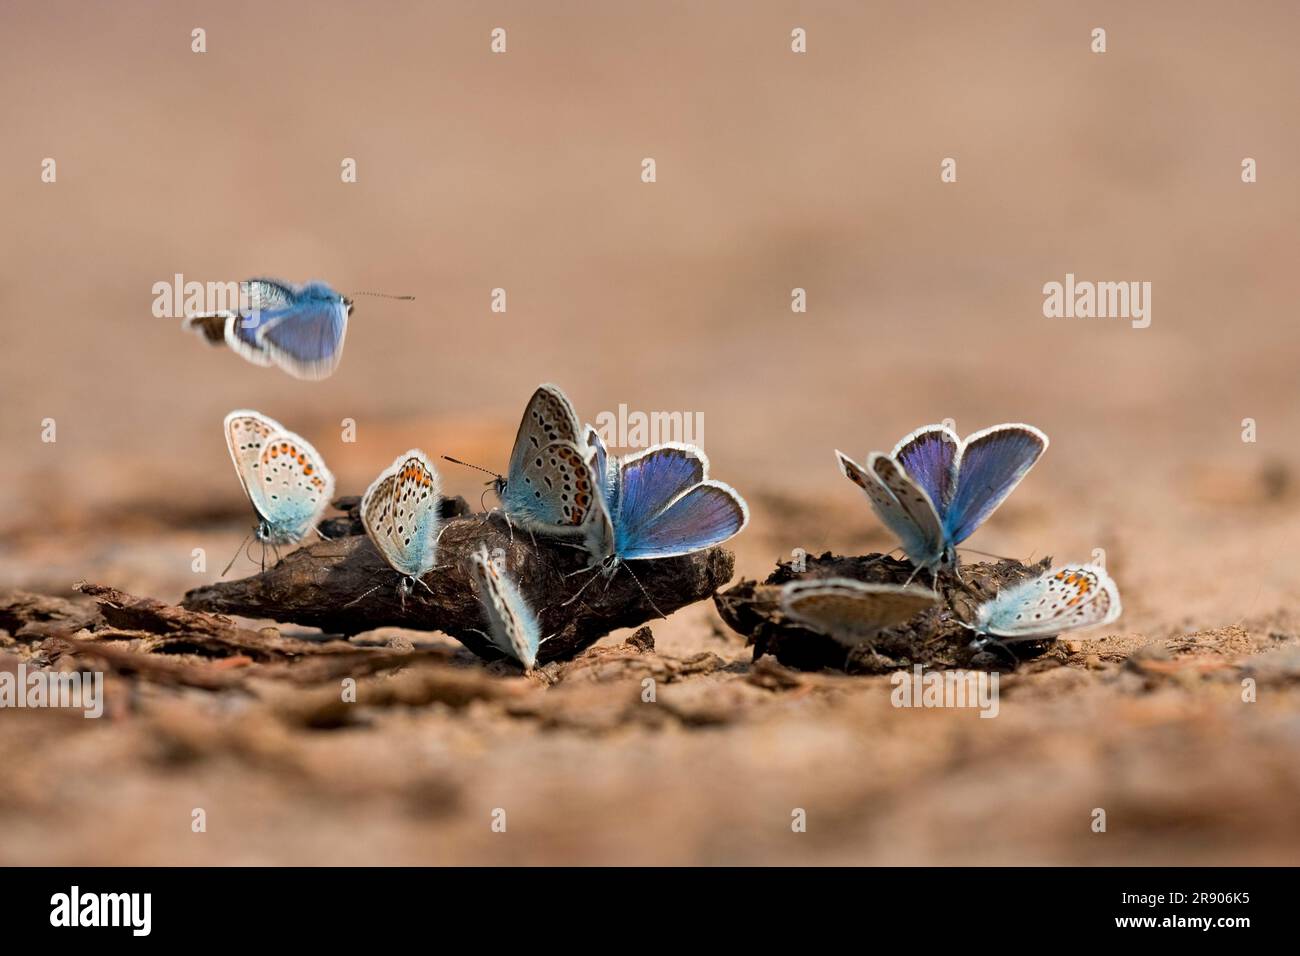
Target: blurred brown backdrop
<point>775,171</point>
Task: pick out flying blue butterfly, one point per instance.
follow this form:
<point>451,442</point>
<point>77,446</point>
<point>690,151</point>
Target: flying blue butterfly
<point>548,484</point>
<point>284,477</point>
<point>512,625</point>
<point>657,503</point>
<point>934,489</point>
<point>1063,599</point>
<point>300,328</point>
<point>852,611</point>
<point>400,513</point>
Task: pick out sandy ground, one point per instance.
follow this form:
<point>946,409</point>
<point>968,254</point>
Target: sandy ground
<point>775,171</point>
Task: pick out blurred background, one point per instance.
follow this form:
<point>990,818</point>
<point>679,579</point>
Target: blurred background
<point>775,171</point>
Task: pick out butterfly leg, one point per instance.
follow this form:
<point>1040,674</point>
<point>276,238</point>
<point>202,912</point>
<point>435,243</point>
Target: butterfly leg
<point>999,645</point>
<point>584,586</point>
<point>510,526</point>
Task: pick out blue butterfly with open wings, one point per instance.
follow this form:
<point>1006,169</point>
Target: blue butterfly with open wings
<point>933,490</point>
<point>657,503</point>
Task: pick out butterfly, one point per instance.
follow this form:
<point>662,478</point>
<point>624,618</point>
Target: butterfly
<point>548,485</point>
<point>300,328</point>
<point>1063,599</point>
<point>852,611</point>
<point>657,503</point>
<point>400,514</point>
<point>933,490</point>
<point>512,625</point>
<point>284,477</point>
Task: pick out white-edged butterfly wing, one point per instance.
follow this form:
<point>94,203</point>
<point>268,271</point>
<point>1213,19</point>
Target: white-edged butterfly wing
<point>1063,599</point>
<point>852,611</point>
<point>512,626</point>
<point>900,504</point>
<point>400,513</point>
<point>246,433</point>
<point>290,486</point>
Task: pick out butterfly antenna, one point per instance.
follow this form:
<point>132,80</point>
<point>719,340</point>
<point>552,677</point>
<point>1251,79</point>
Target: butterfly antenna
<point>387,295</point>
<point>644,592</point>
<point>457,461</point>
<point>986,554</point>
<point>357,600</point>
<point>236,557</point>
<point>881,557</point>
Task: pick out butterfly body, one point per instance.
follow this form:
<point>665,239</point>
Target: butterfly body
<point>512,625</point>
<point>299,328</point>
<point>284,477</point>
<point>400,514</point>
<point>852,611</point>
<point>1063,599</point>
<point>934,489</point>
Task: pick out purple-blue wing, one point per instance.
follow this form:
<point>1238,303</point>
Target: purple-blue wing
<point>247,327</point>
<point>305,340</point>
<point>708,514</point>
<point>929,456</point>
<point>652,479</point>
<point>241,337</point>
<point>989,466</point>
